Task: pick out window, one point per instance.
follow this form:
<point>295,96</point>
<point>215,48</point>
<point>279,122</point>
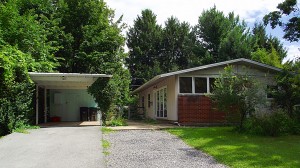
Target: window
<point>149,101</point>
<point>270,91</point>
<point>185,84</point>
<point>143,102</point>
<point>161,102</point>
<point>200,85</point>
<point>211,84</point>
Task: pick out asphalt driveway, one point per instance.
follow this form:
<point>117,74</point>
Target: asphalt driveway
<point>53,147</point>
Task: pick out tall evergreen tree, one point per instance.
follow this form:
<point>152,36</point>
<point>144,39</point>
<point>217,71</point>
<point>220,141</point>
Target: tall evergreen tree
<point>175,53</point>
<point>143,41</point>
<point>212,28</point>
<point>269,43</point>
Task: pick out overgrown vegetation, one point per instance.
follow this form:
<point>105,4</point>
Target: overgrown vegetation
<point>119,121</point>
<point>244,100</point>
<point>237,95</point>
<point>24,128</point>
<point>240,150</point>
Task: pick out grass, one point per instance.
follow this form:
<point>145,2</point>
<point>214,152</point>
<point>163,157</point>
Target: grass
<point>24,129</point>
<point>106,130</point>
<point>239,150</point>
<point>105,145</point>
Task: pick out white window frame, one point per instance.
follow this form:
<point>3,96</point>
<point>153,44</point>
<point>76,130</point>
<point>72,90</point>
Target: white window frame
<point>193,85</point>
<point>164,103</point>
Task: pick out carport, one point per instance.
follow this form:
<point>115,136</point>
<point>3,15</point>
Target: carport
<point>62,94</point>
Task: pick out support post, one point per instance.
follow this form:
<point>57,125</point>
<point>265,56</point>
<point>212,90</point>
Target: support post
<point>45,104</point>
<point>37,104</point>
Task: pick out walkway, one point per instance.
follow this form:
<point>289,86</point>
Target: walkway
<point>53,147</point>
<point>139,125</point>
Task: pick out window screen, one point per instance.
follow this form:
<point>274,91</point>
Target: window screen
<point>185,84</point>
<point>200,85</point>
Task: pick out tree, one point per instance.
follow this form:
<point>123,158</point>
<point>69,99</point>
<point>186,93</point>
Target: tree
<point>20,26</point>
<point>90,39</point>
<point>277,18</point>
<point>93,43</point>
<point>237,44</point>
<point>26,28</point>
<point>213,28</point>
<point>271,58</point>
<point>143,41</point>
<point>175,53</point>
<point>239,93</point>
<point>15,89</point>
<point>268,43</point>
<point>287,94</point>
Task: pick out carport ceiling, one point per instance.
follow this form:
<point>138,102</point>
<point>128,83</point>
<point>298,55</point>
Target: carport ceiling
<point>65,80</point>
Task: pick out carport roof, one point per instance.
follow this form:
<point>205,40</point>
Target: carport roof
<point>65,80</point>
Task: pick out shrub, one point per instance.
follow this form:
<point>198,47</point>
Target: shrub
<point>272,124</point>
<point>237,94</point>
<point>117,122</point>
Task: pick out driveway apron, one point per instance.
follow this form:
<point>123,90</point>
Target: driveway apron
<point>53,147</point>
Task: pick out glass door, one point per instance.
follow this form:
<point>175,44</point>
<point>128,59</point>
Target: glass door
<point>161,102</point>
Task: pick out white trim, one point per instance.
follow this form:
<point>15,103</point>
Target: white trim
<point>240,60</point>
<point>37,104</point>
<point>163,97</point>
<point>208,84</point>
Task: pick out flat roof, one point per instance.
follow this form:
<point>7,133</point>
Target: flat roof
<point>65,80</point>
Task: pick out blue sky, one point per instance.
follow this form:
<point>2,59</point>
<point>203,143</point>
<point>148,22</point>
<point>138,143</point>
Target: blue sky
<point>189,11</point>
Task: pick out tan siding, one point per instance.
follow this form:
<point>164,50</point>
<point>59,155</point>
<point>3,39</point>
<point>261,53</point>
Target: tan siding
<point>171,98</point>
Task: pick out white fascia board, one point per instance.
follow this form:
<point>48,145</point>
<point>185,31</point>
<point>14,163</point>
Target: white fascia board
<point>44,74</point>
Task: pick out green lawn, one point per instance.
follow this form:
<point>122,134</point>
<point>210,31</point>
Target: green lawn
<point>238,150</point>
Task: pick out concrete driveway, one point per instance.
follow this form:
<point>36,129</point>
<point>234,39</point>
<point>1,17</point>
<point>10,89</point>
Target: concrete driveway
<point>53,147</point>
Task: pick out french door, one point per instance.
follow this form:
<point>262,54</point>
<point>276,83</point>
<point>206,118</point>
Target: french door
<point>161,102</point>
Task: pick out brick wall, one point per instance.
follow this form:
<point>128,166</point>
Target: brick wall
<point>194,109</point>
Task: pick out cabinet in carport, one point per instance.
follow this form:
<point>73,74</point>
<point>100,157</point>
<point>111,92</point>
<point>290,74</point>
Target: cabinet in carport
<point>88,114</point>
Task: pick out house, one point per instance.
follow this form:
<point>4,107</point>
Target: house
<point>61,95</point>
<point>180,96</point>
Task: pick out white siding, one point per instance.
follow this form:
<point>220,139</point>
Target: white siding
<point>67,107</point>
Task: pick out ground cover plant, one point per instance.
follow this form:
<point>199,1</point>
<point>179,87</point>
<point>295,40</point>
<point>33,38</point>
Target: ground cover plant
<point>242,150</point>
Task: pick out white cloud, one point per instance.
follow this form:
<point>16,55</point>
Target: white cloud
<point>293,52</point>
<point>190,10</point>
